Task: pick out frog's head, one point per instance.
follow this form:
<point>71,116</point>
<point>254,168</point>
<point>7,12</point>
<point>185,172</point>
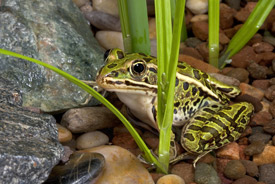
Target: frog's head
<point>135,73</point>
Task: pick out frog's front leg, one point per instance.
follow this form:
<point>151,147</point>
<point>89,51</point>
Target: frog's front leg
<point>215,126</point>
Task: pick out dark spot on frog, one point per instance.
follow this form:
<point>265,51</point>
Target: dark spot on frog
<point>187,94</point>
<point>205,75</point>
<point>142,54</point>
<point>147,60</point>
<point>196,102</point>
<point>114,73</point>
<point>153,100</point>
<point>112,65</point>
<point>120,55</point>
<point>189,136</point>
<point>196,74</point>
<point>119,82</point>
<point>181,66</point>
<point>194,90</point>
<point>226,90</point>
<point>176,104</point>
<point>177,82</point>
<point>185,85</point>
<point>154,112</point>
<point>153,69</point>
<point>175,111</point>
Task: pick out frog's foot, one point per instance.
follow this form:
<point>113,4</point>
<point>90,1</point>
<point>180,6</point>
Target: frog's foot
<point>183,156</point>
<point>199,157</point>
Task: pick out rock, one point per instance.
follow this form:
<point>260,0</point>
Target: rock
<point>233,4</point>
<point>251,168</point>
<point>109,7</point>
<point>234,169</point>
<point>257,38</point>
<point>254,148</point>
<point>170,179</point>
<point>46,38</point>
<point>267,173</point>
<point>103,21</point>
<point>270,127</point>
<point>121,166</point>
<point>190,51</point>
<point>200,30</point>
<point>151,140</point>
<point>64,135</point>
<point>185,171</point>
<point>273,140</point>
<point>269,39</point>
<point>252,91</point>
<point>262,137</point>
<point>67,153</point>
<point>91,139</point>
<point>152,28</point>
<point>245,180</point>
<point>208,159</point>
<point>88,119</point>
<point>110,39</point>
<point>124,140</point>
<point>224,179</point>
<point>254,101</point>
<point>29,146</point>
<point>262,47</point>
<point>243,156</point>
<point>266,58</point>
<point>257,71</point>
<point>81,168</point>
<point>225,79</point>
<point>223,39</point>
<point>243,58</point>
<point>199,18</point>
<point>203,50</point>
<point>243,14</point>
<point>272,108</point>
<point>266,105</point>
<point>205,174</point>
<point>80,3</point>
<point>262,84</point>
<point>226,16</point>
<point>221,164</point>
<point>270,93</point>
<point>229,151</point>
<point>257,129</point>
<point>266,157</point>
<point>197,6</point>
<point>199,64</point>
<point>239,73</point>
<point>261,118</point>
<point>192,42</point>
<point>156,176</point>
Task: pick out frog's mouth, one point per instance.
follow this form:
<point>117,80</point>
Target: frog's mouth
<point>126,86</point>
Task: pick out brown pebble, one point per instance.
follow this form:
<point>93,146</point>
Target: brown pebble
<point>262,84</point>
<point>64,135</point>
<point>251,168</point>
<point>270,93</point>
<point>266,157</point>
<point>124,140</point>
<point>243,58</point>
<point>239,73</point>
<point>257,71</point>
<point>252,91</point>
<point>261,118</point>
<point>226,16</point>
<point>254,148</point>
<point>185,171</point>
<point>272,108</point>
<point>234,169</point>
<point>229,151</point>
<point>270,127</point>
<point>200,30</point>
<point>245,180</point>
<point>262,47</point>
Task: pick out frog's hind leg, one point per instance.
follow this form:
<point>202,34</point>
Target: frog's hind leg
<point>214,126</point>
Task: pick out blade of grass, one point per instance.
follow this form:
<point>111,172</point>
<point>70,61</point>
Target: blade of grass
<point>250,27</point>
<point>166,125</point>
<point>125,27</point>
<point>137,13</point>
<point>100,98</point>
<point>214,15</point>
<point>183,31</point>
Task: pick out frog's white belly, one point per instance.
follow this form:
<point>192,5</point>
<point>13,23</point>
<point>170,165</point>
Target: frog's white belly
<point>140,106</point>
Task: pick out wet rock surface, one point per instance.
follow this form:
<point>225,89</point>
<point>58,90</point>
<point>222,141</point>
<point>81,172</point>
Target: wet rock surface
<point>36,30</point>
<point>29,146</point>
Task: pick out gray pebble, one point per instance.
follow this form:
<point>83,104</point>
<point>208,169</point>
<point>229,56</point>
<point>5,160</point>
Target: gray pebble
<point>254,148</point>
<point>251,168</point>
<point>192,42</point>
<point>267,173</point>
<point>206,174</point>
<point>261,137</point>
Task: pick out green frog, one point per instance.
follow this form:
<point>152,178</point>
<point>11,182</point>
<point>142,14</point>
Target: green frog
<point>202,106</point>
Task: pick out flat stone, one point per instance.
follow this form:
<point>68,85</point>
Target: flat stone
<point>170,179</point>
<point>46,38</point>
<point>109,6</point>
<point>88,119</point>
<point>267,173</point>
<point>234,169</point>
<point>91,139</point>
<point>243,58</point>
<point>29,146</point>
<point>197,6</point>
<point>185,171</point>
<point>103,21</point>
<point>261,137</point>
<point>205,173</point>
<point>81,168</point>
<point>254,148</point>
<point>64,135</point>
<point>252,91</point>
<point>229,151</point>
<point>266,157</point>
<point>110,39</point>
<point>121,166</point>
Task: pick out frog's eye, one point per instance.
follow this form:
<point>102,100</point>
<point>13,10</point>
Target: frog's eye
<point>138,68</point>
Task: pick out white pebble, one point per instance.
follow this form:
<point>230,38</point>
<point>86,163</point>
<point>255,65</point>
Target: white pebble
<point>91,139</point>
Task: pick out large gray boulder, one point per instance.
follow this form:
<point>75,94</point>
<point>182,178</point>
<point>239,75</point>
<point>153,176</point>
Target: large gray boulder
<point>55,32</point>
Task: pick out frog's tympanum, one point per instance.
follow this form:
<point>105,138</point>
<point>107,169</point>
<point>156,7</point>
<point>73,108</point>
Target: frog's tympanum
<point>201,103</point>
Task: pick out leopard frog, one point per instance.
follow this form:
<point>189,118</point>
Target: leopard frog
<point>201,103</point>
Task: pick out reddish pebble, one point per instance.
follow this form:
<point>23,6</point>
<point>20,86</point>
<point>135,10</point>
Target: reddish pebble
<point>243,58</point>
<point>262,47</point>
<point>252,91</point>
<point>229,151</point>
<point>262,84</point>
<point>261,118</point>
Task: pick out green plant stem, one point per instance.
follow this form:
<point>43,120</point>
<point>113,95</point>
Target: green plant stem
<point>213,14</point>
<point>250,27</point>
<point>100,98</point>
<point>138,18</point>
<point>125,27</point>
<point>166,125</point>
